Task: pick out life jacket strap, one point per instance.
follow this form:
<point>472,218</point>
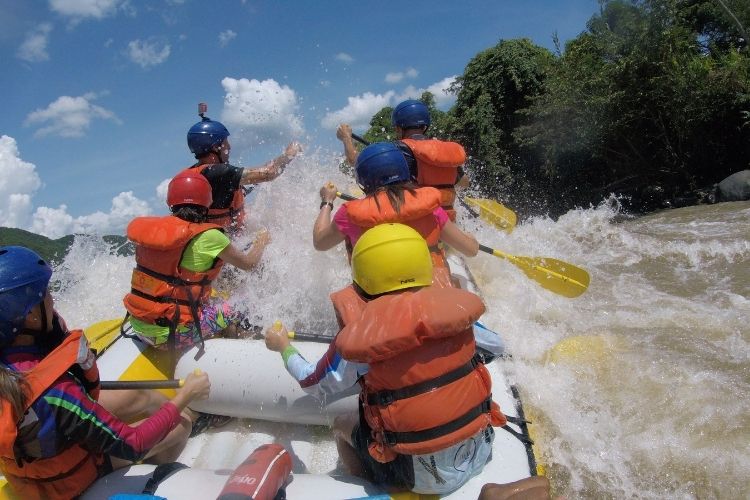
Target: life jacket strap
<point>394,438</point>
<point>163,300</point>
<point>160,474</point>
<point>384,398</point>
<point>227,212</point>
<point>172,280</point>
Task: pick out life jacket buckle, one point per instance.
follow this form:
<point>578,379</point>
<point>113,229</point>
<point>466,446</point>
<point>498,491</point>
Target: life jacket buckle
<point>389,438</point>
<point>385,398</point>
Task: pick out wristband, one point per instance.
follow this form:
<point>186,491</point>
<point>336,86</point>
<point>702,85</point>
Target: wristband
<point>324,203</point>
<point>288,352</point>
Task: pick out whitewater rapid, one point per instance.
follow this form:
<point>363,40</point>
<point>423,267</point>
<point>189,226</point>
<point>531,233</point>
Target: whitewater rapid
<point>653,400</point>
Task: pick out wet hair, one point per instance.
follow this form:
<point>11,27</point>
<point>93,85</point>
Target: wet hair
<point>395,193</point>
<point>14,389</point>
<point>190,213</point>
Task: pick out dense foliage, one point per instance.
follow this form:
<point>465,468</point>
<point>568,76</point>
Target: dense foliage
<point>651,101</point>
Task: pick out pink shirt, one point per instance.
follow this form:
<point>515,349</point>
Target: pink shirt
<point>352,232</point>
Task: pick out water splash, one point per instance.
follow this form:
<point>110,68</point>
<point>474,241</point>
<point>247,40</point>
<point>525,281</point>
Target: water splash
<point>655,402</point>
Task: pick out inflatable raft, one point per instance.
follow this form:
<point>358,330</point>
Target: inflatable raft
<point>251,383</point>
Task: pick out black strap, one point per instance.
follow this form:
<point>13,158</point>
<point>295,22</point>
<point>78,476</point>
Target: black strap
<point>160,474</point>
<point>196,318</point>
<point>394,438</point>
<point>172,280</point>
<point>230,212</point>
<point>518,435</point>
<point>127,332</point>
<point>523,424</point>
<point>163,300</point>
<point>384,398</point>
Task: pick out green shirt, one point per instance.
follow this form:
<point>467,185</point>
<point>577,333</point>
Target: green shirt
<point>199,256</point>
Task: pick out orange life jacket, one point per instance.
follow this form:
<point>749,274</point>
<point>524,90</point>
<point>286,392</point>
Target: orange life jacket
<point>416,212</point>
<point>437,166</point>
<point>163,293</point>
<point>65,475</point>
<point>425,389</point>
<point>234,215</point>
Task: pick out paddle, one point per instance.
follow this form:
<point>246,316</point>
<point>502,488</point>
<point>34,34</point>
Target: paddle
<point>310,337</point>
<point>555,275</point>
<point>489,211</point>
<point>114,385</point>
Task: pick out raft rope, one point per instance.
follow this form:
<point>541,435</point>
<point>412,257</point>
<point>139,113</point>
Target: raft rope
<point>523,436</point>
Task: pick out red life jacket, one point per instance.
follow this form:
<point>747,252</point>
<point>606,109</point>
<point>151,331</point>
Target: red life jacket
<point>162,292</point>
<point>234,215</point>
<point>67,474</point>
<point>425,389</point>
<point>437,166</point>
<point>416,212</point>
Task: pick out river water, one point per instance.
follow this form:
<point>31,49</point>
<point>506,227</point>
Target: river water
<point>640,388</point>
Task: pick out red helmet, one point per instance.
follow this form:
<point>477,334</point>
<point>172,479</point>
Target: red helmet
<point>189,187</point>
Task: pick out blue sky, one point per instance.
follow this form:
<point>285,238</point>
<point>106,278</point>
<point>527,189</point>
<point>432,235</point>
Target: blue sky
<point>98,94</point>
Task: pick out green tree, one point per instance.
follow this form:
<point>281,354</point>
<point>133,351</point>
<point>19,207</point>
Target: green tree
<point>497,85</point>
<point>642,101</point>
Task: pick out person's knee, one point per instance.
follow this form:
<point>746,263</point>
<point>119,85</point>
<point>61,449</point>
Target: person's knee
<point>343,425</point>
<point>149,401</point>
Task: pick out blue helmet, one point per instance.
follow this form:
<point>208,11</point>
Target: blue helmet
<point>380,164</point>
<point>24,277</point>
<point>204,135</point>
<point>411,114</point>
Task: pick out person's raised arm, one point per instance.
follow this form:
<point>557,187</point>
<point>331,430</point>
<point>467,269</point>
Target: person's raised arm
<point>273,168</point>
<point>461,241</point>
<point>344,134</point>
<point>246,261</point>
<point>325,233</point>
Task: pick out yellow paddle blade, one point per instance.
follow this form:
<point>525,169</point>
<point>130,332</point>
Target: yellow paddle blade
<point>493,212</point>
<point>101,335</point>
<point>557,276</point>
<point>579,349</point>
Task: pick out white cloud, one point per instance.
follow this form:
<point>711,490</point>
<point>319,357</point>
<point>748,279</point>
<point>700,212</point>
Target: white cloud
<point>34,47</point>
<point>265,110</point>
<point>358,111</point>
<point>68,116</point>
<point>400,75</point>
<point>161,191</point>
<point>443,99</point>
<point>344,58</point>
<point>226,36</point>
<point>57,222</point>
<point>148,52</point>
<point>98,9</point>
<point>19,182</point>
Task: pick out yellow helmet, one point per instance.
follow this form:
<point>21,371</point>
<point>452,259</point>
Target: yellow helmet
<point>391,257</point>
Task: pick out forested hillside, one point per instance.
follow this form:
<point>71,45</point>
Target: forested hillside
<point>55,250</point>
<point>651,101</point>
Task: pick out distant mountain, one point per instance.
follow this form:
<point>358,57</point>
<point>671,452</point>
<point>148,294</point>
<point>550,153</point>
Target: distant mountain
<point>56,250</point>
